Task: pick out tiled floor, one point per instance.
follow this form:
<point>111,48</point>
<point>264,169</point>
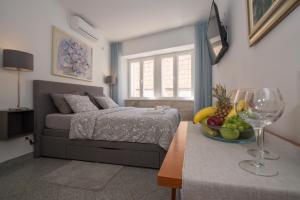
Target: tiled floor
<point>25,181</point>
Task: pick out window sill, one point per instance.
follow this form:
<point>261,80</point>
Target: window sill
<point>159,99</point>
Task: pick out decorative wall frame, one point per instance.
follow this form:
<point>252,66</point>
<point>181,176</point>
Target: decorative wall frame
<point>264,15</point>
<point>71,57</point>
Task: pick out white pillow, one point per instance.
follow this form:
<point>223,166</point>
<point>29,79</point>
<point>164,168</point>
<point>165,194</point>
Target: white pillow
<point>80,103</point>
<point>106,102</point>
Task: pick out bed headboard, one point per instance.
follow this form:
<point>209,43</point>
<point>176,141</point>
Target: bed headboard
<point>43,104</point>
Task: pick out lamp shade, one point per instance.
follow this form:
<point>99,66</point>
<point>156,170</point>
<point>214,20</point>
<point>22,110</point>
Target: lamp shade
<point>110,80</point>
<point>17,60</point>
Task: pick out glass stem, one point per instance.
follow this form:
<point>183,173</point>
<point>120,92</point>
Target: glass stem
<point>259,132</point>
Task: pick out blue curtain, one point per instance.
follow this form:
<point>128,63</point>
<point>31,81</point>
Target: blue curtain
<point>203,69</point>
<point>115,54</point>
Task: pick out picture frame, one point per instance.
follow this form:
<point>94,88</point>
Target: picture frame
<point>264,15</point>
<point>71,57</point>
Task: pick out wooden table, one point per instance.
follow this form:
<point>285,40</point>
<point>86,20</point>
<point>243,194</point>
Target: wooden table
<point>170,173</point>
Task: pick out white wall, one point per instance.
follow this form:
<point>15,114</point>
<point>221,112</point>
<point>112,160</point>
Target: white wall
<point>273,62</point>
<point>26,25</point>
<point>161,40</point>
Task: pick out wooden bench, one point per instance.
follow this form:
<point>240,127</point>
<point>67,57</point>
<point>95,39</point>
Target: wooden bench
<point>170,173</point>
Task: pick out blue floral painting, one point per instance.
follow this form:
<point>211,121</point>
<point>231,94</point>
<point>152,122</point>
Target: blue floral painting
<point>72,58</point>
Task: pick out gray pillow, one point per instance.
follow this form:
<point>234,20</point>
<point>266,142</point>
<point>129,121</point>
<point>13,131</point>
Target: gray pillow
<point>93,100</point>
<point>106,102</point>
<point>60,103</point>
<point>80,103</point>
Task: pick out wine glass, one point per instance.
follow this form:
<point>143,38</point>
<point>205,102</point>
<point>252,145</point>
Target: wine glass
<point>261,108</point>
<point>268,155</point>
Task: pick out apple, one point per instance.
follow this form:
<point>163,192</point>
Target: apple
<point>215,121</point>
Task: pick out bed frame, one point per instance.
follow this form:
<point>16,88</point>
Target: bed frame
<point>55,143</point>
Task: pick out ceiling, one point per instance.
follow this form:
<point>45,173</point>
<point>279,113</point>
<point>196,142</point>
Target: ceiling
<point>124,19</point>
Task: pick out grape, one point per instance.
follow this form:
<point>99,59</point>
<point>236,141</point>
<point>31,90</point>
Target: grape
<point>241,128</point>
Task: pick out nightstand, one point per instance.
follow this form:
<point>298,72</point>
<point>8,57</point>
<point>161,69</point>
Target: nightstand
<point>15,123</point>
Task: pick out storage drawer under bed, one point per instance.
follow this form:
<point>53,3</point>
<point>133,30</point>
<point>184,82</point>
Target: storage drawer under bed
<point>121,153</point>
<point>114,156</point>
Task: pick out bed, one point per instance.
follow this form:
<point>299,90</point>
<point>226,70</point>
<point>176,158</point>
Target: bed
<point>52,132</point>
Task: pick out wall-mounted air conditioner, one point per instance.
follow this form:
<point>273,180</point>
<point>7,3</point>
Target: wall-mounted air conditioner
<point>85,29</point>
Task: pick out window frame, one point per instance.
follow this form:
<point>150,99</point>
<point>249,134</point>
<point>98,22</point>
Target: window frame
<point>129,78</point>
<point>157,75</point>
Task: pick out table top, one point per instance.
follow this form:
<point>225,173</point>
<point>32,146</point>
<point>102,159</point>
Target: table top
<point>211,170</point>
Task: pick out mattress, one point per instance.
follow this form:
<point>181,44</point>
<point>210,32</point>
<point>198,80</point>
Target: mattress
<point>59,121</point>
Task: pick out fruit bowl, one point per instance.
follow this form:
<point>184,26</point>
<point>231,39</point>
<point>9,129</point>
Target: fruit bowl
<point>228,134</point>
<point>221,121</point>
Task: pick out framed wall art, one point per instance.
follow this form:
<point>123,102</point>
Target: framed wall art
<point>264,15</point>
<point>71,57</point>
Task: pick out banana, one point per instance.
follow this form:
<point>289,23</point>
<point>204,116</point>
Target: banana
<point>209,131</point>
<point>231,114</point>
<point>204,113</point>
<point>241,105</point>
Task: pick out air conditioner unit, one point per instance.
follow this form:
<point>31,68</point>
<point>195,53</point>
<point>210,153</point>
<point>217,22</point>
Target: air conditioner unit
<point>81,26</point>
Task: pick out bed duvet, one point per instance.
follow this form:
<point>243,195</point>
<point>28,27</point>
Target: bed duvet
<point>141,125</point>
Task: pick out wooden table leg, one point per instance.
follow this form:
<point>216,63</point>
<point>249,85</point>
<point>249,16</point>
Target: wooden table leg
<point>173,197</point>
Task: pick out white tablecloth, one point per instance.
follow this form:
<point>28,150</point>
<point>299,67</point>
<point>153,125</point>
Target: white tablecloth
<point>211,170</point>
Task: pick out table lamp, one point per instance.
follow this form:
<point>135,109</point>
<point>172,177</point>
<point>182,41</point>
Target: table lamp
<point>111,80</point>
<point>17,61</point>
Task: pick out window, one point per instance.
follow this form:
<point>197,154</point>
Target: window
<point>167,74</point>
<point>148,78</point>
<point>162,76</point>
<point>135,79</point>
<point>184,75</point>
<point>142,78</point>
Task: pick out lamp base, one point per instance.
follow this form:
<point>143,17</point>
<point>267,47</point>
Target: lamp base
<point>19,109</point>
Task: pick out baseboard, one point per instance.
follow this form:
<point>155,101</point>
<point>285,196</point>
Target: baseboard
<point>15,161</point>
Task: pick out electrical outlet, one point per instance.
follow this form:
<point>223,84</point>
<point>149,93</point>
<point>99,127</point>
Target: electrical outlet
<point>30,139</point>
